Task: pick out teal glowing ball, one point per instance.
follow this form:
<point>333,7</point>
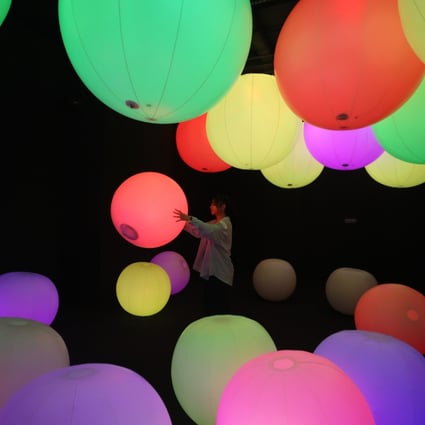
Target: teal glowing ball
<point>4,9</point>
<point>157,61</point>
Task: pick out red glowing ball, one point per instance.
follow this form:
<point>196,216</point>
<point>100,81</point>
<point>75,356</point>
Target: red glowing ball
<point>142,209</point>
<point>345,64</point>
<point>194,147</point>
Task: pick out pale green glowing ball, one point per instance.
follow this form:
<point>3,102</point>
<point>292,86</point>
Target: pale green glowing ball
<point>4,9</point>
<point>392,172</point>
<point>298,169</point>
<point>157,61</point>
<point>412,14</point>
<point>402,133</point>
<point>252,128</point>
<point>207,354</point>
<point>143,288</point>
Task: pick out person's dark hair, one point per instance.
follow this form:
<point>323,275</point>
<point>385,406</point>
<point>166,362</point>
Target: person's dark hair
<point>222,198</point>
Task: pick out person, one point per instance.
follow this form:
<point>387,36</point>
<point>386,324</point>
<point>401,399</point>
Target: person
<point>213,258</point>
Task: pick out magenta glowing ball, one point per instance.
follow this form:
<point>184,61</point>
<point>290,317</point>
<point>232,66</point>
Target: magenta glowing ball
<point>342,149</point>
<point>177,268</point>
<point>194,147</point>
<point>292,387</point>
<point>345,64</point>
<point>87,394</point>
<point>393,309</point>
<point>389,372</point>
<point>142,209</point>
<point>28,349</point>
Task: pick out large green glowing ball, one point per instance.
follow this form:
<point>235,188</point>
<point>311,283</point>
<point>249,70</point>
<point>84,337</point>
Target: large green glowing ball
<point>4,9</point>
<point>157,61</point>
<point>402,133</point>
<point>412,14</point>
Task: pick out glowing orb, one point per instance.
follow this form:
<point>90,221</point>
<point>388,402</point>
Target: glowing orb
<point>92,393</point>
<point>143,288</point>
<point>142,209</point>
<point>207,354</point>
<point>389,372</point>
<point>342,149</point>
<point>401,134</point>
<point>177,268</point>
<point>392,172</point>
<point>345,65</point>
<point>274,279</point>
<point>393,309</point>
<point>157,61</point>
<point>194,147</point>
<point>252,127</point>
<point>345,286</point>
<point>297,169</point>
<point>28,295</point>
<point>28,349</point>
<point>4,9</point>
<point>292,387</point>
<point>412,14</point>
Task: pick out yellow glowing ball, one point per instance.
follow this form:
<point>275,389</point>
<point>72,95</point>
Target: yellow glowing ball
<point>143,288</point>
<point>298,169</point>
<point>251,127</point>
<point>412,14</point>
<point>393,172</point>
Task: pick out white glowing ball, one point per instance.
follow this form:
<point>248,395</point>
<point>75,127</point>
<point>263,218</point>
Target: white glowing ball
<point>28,349</point>
<point>293,388</point>
<point>28,295</point>
<point>251,127</point>
<point>274,279</point>
<point>87,394</point>
<point>207,354</point>
<point>345,286</point>
<point>143,288</point>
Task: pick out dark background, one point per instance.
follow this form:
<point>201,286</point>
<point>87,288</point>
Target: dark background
<point>64,154</point>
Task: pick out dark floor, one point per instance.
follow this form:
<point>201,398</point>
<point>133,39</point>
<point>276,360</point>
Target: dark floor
<point>145,344</point>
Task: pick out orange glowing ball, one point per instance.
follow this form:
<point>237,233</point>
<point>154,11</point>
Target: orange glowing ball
<point>345,64</point>
<point>194,147</point>
<point>142,209</point>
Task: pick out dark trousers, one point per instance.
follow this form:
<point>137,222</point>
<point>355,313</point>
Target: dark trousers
<point>217,296</point>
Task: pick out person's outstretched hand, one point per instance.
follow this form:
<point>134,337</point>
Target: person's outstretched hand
<point>180,215</point>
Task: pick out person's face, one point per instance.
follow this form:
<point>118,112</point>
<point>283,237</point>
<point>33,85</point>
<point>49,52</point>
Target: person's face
<point>215,209</point>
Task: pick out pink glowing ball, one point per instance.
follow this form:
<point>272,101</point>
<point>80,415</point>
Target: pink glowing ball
<point>292,387</point>
<point>28,295</point>
<point>177,268</point>
<point>142,209</point>
<point>393,309</point>
<point>194,147</point>
<point>345,64</point>
<point>28,349</point>
<point>342,149</point>
<point>389,372</point>
<point>87,394</point>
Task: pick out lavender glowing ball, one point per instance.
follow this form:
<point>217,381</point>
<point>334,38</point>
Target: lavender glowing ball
<point>143,288</point>
<point>393,172</point>
<point>28,349</point>
<point>142,209</point>
<point>389,372</point>
<point>393,309</point>
<point>344,287</point>
<point>194,147</point>
<point>345,65</point>
<point>297,169</point>
<point>342,149</point>
<point>251,127</point>
<point>4,9</point>
<point>274,279</point>
<point>207,354</point>
<point>157,61</point>
<point>28,295</point>
<point>83,394</point>
<point>401,133</point>
<point>292,387</point>
<point>177,268</point>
